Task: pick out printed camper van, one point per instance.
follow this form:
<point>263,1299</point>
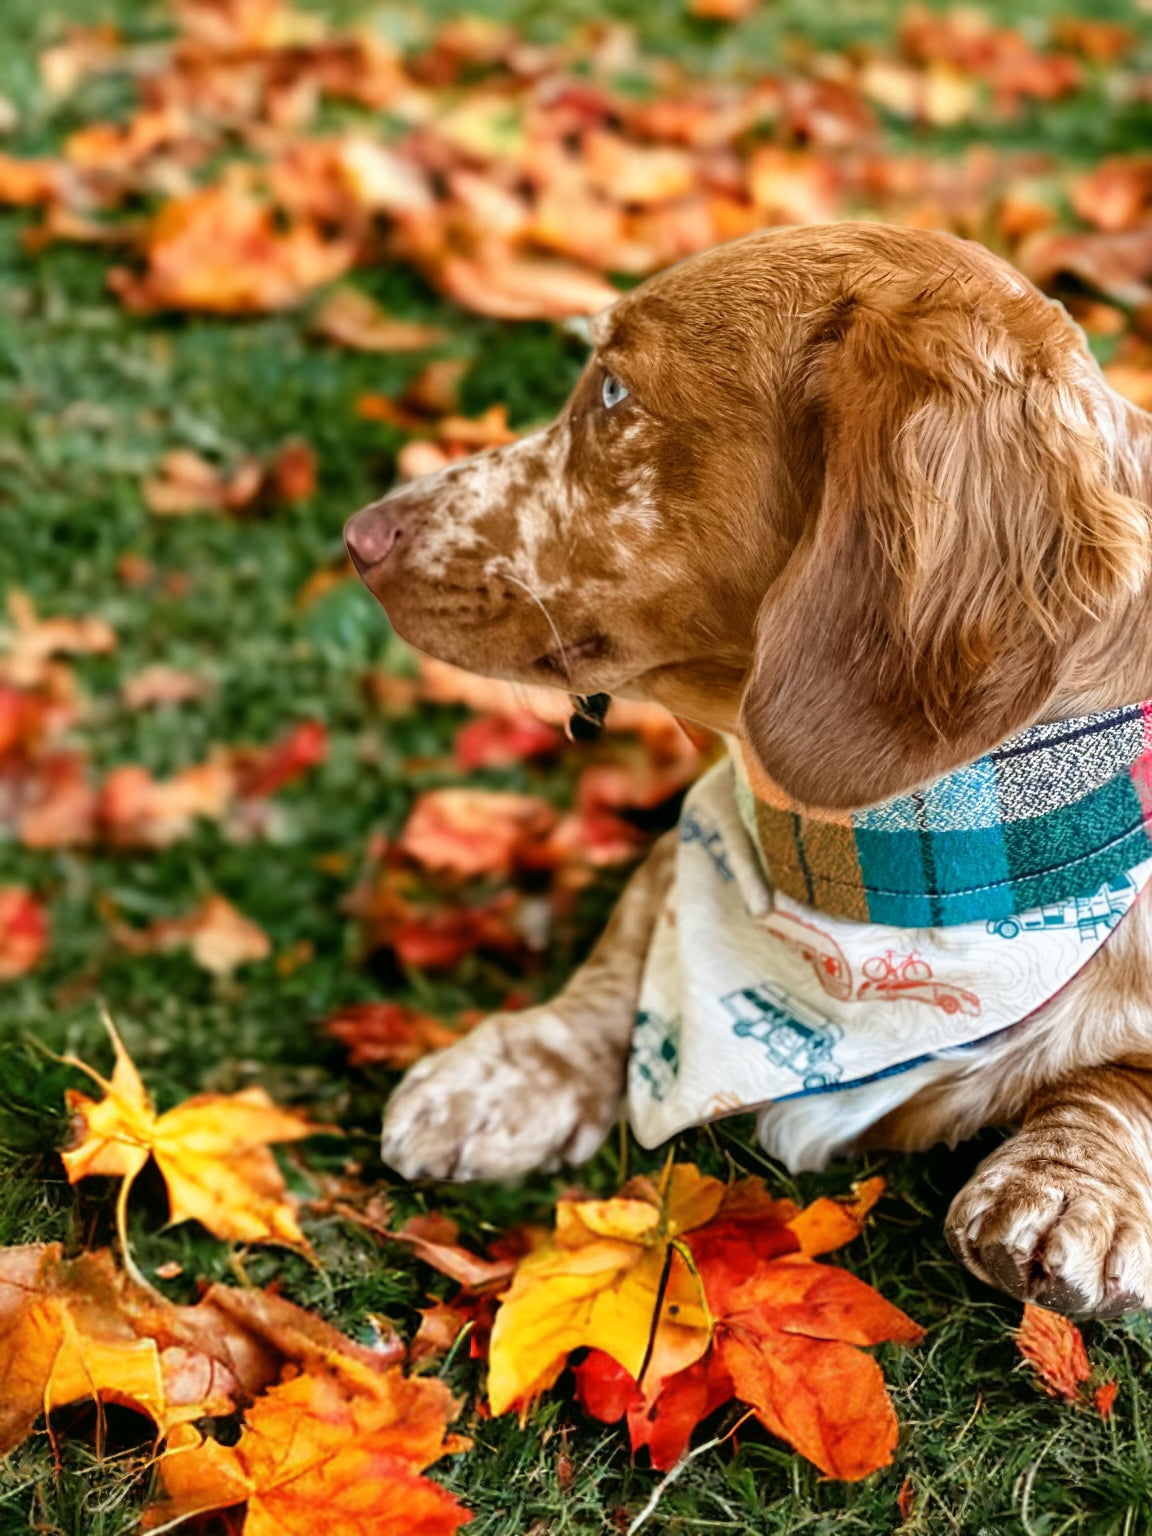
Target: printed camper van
<point>817,947</point>
<point>794,1036</point>
<point>1091,915</point>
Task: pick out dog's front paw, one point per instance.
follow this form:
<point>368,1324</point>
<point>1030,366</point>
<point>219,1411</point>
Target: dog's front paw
<point>1048,1232</point>
<point>513,1097</point>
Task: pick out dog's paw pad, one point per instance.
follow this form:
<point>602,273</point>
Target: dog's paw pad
<point>1046,1233</point>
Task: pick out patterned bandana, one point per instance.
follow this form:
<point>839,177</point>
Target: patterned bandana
<point>1050,815</point>
<point>800,956</point>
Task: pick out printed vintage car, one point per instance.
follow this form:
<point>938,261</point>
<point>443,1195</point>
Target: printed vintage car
<point>794,1036</point>
<point>939,994</point>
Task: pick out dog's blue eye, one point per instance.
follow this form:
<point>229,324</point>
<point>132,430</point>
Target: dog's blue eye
<point>613,391</point>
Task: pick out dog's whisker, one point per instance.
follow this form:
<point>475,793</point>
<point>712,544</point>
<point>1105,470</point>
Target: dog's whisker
<point>560,647</point>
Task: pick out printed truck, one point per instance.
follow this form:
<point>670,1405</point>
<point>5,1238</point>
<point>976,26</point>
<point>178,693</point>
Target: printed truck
<point>793,1036</point>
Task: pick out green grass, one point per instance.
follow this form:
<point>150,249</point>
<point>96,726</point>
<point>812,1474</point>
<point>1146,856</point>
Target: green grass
<point>88,401</point>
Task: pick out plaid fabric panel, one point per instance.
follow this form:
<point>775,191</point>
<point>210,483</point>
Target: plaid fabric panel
<point>814,862</point>
<point>1049,816</point>
<point>1051,766</point>
<point>964,800</point>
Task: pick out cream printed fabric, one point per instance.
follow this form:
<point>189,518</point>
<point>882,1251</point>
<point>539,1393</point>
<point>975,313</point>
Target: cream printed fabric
<point>750,998</point>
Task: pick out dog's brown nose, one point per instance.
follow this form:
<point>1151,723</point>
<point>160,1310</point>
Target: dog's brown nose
<point>370,536</point>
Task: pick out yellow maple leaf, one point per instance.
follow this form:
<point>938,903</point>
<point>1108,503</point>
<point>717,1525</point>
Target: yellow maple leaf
<point>212,1151</point>
<point>614,1277</point>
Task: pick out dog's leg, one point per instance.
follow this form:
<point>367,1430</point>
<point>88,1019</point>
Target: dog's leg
<point>529,1090</point>
<point>1061,1214</point>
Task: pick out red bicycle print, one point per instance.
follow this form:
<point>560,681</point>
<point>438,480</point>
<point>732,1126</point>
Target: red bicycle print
<point>910,977</point>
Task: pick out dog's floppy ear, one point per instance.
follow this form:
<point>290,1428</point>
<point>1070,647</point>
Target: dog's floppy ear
<point>968,536</point>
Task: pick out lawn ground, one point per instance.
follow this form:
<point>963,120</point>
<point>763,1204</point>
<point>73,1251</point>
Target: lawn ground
<point>89,399</point>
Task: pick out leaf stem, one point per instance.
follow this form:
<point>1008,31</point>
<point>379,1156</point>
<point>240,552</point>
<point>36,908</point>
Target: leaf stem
<point>661,1290</point>
<point>122,1233</point>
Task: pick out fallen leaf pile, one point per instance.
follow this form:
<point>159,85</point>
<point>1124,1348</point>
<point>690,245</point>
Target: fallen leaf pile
<point>668,1301</point>
<point>675,1298</point>
<point>330,1429</point>
<point>186,482</point>
<point>475,869</point>
<point>51,796</point>
<point>521,196</point>
<point>691,1293</point>
<point>323,1428</point>
<point>338,1448</point>
<point>471,869</point>
<point>241,157</point>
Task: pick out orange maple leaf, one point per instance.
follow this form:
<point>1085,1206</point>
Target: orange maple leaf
<point>767,1324</point>
<point>339,1449</point>
<point>264,770</point>
<point>353,319</point>
<point>23,931</point>
<point>499,741</point>
<point>221,249</point>
<point>138,811</point>
<point>212,1151</point>
<point>1054,1346</point>
<point>159,684</point>
<point>185,482</point>
<point>476,831</point>
<point>72,1329</point>
<point>27,647</point>
<point>217,934</point>
<point>50,801</point>
<point>390,1034</point>
<point>25,719</point>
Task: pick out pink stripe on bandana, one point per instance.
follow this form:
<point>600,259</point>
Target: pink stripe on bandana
<point>1142,768</point>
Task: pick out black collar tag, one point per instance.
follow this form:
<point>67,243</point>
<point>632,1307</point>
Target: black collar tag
<point>587,718</point>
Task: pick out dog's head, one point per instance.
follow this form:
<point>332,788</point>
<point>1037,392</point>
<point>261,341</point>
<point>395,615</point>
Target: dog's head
<point>852,475</point>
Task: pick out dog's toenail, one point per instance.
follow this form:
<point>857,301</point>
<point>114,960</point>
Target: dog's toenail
<point>1062,1296</point>
<point>1001,1265</point>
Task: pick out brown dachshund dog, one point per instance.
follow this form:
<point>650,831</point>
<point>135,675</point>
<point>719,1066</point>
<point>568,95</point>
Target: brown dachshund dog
<point>853,469</point>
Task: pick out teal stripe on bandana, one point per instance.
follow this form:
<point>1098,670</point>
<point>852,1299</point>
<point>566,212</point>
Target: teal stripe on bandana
<point>1049,816</point>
